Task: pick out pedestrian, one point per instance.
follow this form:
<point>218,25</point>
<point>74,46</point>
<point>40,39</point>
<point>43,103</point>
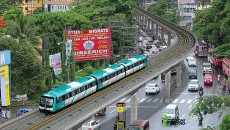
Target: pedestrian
<point>8,113</point>
<point>4,114</point>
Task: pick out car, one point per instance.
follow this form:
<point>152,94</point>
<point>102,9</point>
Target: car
<point>191,61</point>
<point>192,74</point>
<point>189,58</point>
<point>193,85</point>
<point>23,110</point>
<point>208,79</point>
<point>207,68</point>
<point>91,125</point>
<point>172,112</point>
<point>152,88</point>
<point>163,77</point>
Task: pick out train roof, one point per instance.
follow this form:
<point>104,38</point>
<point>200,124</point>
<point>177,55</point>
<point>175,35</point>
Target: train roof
<point>132,60</point>
<point>63,89</point>
<point>101,73</point>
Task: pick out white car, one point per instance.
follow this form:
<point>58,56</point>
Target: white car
<point>152,88</point>
<point>191,61</point>
<point>207,68</point>
<point>193,84</point>
<point>91,125</point>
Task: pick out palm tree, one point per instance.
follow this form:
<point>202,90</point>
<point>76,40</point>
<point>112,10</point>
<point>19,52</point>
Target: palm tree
<point>23,31</point>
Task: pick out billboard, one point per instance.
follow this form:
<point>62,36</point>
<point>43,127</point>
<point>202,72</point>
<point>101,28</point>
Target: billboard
<point>5,57</point>
<point>5,85</point>
<point>55,62</point>
<point>91,44</point>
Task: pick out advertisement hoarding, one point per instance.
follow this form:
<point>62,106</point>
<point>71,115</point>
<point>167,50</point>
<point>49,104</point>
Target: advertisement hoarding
<point>91,44</point>
<point>5,57</point>
<point>5,85</point>
<point>55,62</point>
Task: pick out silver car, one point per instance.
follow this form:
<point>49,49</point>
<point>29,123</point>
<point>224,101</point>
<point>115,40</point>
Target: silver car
<point>193,85</point>
<point>91,125</point>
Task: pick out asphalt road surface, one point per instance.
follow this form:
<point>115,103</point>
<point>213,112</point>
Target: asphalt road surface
<point>150,107</point>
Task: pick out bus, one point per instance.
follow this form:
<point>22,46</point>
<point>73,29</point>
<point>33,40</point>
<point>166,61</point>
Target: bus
<point>201,50</point>
<point>226,66</point>
<point>217,62</point>
<point>140,125</point>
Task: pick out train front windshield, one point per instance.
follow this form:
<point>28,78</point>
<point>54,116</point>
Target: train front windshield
<point>46,101</point>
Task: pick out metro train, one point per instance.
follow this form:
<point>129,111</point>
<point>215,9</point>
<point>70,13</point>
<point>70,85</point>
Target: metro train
<point>67,94</point>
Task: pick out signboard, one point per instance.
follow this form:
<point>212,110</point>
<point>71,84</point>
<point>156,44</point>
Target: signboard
<point>55,61</point>
<point>5,85</point>
<point>91,44</point>
<point>120,107</point>
<point>5,57</point>
<point>22,97</point>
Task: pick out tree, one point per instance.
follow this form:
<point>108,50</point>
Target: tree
<point>6,4</point>
<point>210,104</point>
<point>12,14</point>
<point>225,123</point>
<point>165,9</point>
<point>211,25</point>
<point>27,72</point>
<point>37,11</point>
<point>223,50</point>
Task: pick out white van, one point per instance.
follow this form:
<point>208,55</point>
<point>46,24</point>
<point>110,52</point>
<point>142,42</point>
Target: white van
<point>172,112</point>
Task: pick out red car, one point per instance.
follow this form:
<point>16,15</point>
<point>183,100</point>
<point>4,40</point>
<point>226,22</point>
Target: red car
<point>208,79</point>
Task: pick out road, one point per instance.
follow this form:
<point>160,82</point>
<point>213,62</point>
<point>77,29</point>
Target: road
<point>151,106</point>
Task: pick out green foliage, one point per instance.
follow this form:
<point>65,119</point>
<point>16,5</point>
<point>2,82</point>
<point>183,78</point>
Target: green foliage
<point>212,24</point>
<point>225,125</point>
<point>165,9</point>
<point>210,104</point>
<point>6,5</point>
<point>27,71</point>
<point>12,14</point>
<point>37,11</point>
<point>223,49</point>
<point>22,29</point>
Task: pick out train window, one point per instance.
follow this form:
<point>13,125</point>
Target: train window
<point>66,96</point>
<point>82,89</point>
<point>126,68</point>
<point>108,77</point>
<point>70,94</point>
<point>60,99</point>
<point>94,83</point>
<point>73,93</point>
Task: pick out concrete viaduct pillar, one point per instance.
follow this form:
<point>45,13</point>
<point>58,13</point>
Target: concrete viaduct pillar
<point>134,104</point>
<point>178,77</point>
<point>162,35</point>
<point>157,31</point>
<point>167,86</point>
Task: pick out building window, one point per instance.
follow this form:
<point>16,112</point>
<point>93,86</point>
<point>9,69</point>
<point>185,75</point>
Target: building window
<point>52,7</point>
<point>60,7</point>
<point>65,7</point>
<point>26,8</point>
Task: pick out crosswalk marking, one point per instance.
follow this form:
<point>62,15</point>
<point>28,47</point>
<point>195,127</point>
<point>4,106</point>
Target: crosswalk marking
<point>142,100</point>
<point>122,100</point>
<point>149,100</point>
<point>182,101</point>
<point>128,100</point>
<point>189,101</point>
<point>176,100</point>
<point>155,100</point>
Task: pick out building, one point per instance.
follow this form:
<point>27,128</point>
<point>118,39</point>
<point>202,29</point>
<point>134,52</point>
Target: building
<point>187,10</point>
<point>28,6</point>
<point>56,5</point>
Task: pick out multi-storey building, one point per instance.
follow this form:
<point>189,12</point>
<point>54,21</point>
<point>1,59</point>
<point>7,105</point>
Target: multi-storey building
<point>56,5</point>
<point>28,6</point>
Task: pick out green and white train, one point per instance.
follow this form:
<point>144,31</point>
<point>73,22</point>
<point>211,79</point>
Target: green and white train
<point>62,96</point>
